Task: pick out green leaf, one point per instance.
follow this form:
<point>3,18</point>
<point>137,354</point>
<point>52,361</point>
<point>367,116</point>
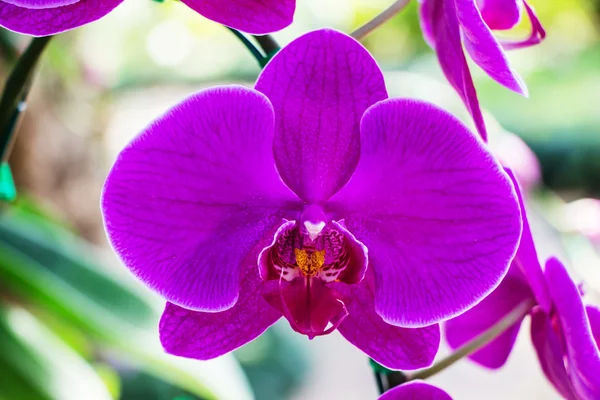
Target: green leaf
<point>36,364</point>
<point>63,278</point>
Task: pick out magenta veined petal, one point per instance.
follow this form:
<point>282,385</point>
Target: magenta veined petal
<point>509,294</point>
<point>438,214</point>
<point>500,14</point>
<point>441,29</point>
<point>484,49</point>
<point>581,350</point>
<point>320,85</point>
<point>204,335</point>
<point>190,196</point>
<point>63,15</point>
<point>257,17</point>
<point>389,345</point>
<point>415,390</point>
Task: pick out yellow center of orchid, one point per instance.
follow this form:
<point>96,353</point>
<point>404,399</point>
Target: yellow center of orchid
<point>311,263</point>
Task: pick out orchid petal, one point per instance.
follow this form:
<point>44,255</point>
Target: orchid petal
<point>500,14</point>
<point>526,259</point>
<point>391,346</point>
<point>204,335</point>
<point>442,30</point>
<point>415,390</point>
<point>593,314</point>
<point>190,196</point>
<point>437,213</point>
<point>40,3</point>
<point>484,49</point>
<point>509,294</point>
<point>50,21</point>
<point>550,353</point>
<point>582,353</point>
<point>320,85</point>
<point>257,17</point>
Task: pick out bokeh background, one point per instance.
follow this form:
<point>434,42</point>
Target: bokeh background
<point>75,325</point>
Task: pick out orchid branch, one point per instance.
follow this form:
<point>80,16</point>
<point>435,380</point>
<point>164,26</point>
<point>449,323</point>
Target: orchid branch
<point>260,58</point>
<point>15,92</point>
<point>380,19</point>
<point>477,343</point>
<point>268,44</point>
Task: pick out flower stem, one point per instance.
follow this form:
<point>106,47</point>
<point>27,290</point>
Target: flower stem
<point>380,19</point>
<point>477,343</point>
<point>14,95</point>
<point>260,58</point>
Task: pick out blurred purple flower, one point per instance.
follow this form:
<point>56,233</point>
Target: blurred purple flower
<point>415,390</point>
<point>315,198</point>
<point>447,24</point>
<point>48,17</point>
<point>564,332</point>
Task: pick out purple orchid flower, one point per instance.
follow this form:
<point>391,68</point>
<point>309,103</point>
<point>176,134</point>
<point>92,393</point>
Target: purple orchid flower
<point>415,390</point>
<point>49,17</point>
<point>447,24</point>
<point>564,332</point>
<point>314,198</point>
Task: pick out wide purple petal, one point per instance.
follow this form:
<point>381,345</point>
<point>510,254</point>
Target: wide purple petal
<point>547,344</point>
<point>527,260</point>
<point>509,294</point>
<point>49,21</point>
<point>437,213</point>
<point>203,335</point>
<point>415,390</point>
<point>441,29</point>
<point>190,196</point>
<point>484,49</point>
<point>582,353</point>
<point>500,14</point>
<point>257,17</point>
<point>39,3</point>
<point>593,314</point>
<point>320,85</point>
<point>391,346</point>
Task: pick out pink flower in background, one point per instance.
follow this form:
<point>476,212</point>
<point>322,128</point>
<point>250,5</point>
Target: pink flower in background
<point>448,24</point>
<point>48,17</point>
<point>315,198</point>
<point>564,332</point>
<point>415,390</point>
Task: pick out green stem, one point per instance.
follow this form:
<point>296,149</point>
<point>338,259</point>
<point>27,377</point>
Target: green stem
<point>260,58</point>
<point>268,44</point>
<point>486,337</point>
<point>17,86</point>
<point>385,15</point>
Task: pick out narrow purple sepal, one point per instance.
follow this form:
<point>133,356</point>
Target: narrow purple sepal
<point>320,85</point>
